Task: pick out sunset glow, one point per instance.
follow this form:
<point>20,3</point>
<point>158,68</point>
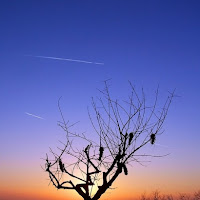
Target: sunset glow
<point>53,49</point>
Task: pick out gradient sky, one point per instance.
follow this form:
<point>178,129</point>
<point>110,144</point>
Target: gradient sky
<point>146,42</point>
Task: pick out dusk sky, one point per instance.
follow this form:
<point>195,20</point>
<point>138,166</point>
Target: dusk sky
<point>67,48</point>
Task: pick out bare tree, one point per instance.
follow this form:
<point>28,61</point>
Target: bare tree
<point>144,197</point>
<point>197,195</point>
<point>156,195</point>
<point>184,196</point>
<point>91,165</point>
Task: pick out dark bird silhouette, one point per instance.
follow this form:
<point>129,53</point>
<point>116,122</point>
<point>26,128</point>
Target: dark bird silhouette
<point>61,165</point>
<point>125,169</point>
<point>153,138</point>
<point>130,138</point>
<point>101,150</point>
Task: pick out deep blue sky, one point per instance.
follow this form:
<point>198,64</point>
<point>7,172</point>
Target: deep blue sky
<point>146,42</point>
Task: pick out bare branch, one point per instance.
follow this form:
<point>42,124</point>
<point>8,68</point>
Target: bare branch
<point>122,130</point>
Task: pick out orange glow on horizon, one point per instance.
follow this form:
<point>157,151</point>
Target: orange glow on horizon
<point>33,184</point>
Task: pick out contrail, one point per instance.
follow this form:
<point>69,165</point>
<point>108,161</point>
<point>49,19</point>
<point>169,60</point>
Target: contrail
<point>34,115</point>
<point>67,59</point>
<point>162,145</point>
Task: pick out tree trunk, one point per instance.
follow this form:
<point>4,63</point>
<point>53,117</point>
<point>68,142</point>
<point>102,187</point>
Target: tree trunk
<point>105,186</point>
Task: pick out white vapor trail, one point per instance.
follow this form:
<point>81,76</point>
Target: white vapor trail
<point>34,115</point>
<point>161,145</point>
<point>67,59</point>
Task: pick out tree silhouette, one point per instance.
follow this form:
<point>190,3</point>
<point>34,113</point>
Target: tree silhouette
<point>91,165</point>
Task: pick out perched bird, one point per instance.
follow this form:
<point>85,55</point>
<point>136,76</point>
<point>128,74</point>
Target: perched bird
<point>61,165</point>
<point>153,138</point>
<point>125,169</point>
<point>101,150</point>
<point>130,138</point>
